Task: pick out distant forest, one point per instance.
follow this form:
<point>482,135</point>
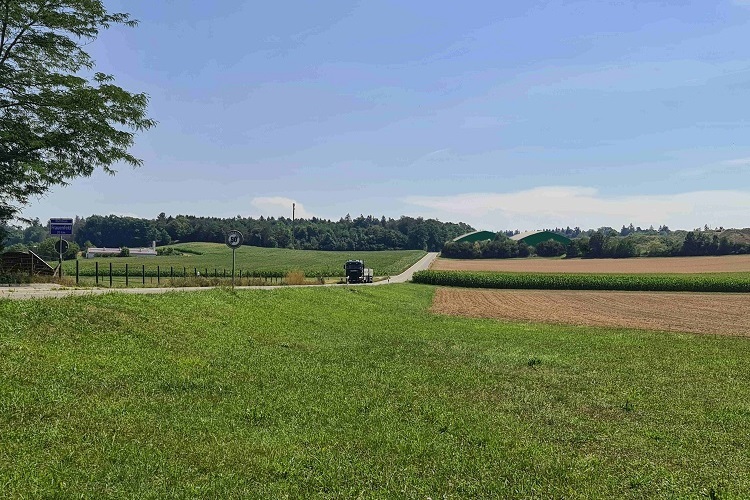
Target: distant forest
<point>372,233</point>
<point>606,242</point>
<point>359,233</point>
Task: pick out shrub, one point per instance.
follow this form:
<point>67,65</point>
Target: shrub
<point>295,278</point>
<point>14,278</point>
<point>124,252</point>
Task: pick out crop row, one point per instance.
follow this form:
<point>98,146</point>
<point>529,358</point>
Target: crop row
<point>631,282</point>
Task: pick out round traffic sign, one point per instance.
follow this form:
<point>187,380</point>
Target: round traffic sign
<point>61,246</point>
<point>234,239</point>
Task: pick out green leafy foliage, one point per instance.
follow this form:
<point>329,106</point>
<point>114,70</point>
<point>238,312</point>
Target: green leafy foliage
<point>55,123</point>
<point>550,248</point>
<point>46,250</point>
<point>360,233</point>
<point>635,282</point>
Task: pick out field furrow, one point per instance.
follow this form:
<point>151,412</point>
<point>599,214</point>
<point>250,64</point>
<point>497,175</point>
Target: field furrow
<point>721,314</point>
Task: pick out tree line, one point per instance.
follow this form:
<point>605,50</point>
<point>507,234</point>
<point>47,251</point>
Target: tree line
<point>359,233</point>
<point>607,243</point>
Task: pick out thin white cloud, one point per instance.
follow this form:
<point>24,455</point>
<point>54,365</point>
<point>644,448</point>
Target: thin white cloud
<point>428,156</point>
<point>743,162</point>
<point>556,206</point>
<point>277,206</point>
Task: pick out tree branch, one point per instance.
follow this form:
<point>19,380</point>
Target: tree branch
<point>5,25</point>
<point>20,34</point>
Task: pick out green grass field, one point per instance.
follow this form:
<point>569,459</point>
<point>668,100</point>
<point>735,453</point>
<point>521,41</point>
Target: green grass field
<point>358,392</point>
<point>268,261</point>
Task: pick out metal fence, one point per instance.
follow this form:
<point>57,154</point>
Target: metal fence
<point>127,275</point>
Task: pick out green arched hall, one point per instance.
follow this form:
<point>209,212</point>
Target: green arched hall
<point>533,238</point>
<point>476,236</point>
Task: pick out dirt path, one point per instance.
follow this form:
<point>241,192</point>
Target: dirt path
<point>716,313</point>
<point>51,290</point>
<point>644,265</point>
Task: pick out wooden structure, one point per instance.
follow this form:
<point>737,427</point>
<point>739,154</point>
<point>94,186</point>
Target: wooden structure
<point>25,263</point>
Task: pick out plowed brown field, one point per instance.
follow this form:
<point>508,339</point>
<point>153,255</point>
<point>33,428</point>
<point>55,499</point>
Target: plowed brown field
<point>723,264</point>
<point>722,314</point>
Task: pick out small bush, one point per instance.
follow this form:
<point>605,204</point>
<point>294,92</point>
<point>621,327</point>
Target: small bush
<point>295,278</point>
<point>14,278</point>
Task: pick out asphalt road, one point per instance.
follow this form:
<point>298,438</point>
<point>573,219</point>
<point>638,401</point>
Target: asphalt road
<point>43,290</point>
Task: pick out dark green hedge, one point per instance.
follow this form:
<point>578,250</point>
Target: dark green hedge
<point>634,282</point>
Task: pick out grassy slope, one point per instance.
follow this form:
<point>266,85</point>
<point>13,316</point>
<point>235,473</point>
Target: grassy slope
<point>216,255</point>
<point>348,391</point>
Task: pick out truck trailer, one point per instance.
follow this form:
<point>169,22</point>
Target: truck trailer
<point>356,272</point>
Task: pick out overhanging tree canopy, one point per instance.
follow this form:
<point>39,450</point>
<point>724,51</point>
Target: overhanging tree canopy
<point>58,118</point>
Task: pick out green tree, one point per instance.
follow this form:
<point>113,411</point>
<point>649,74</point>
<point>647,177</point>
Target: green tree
<point>58,118</point>
<point>46,250</point>
<point>596,245</point>
<point>550,248</point>
<point>572,250</point>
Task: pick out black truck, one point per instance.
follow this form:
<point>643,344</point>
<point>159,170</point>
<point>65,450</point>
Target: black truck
<point>356,272</point>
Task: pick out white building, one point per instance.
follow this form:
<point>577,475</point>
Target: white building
<point>134,252</point>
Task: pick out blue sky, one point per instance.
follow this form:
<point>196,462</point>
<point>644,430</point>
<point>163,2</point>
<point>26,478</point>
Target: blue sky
<point>504,115</point>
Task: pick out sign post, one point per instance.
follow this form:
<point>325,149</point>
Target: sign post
<point>234,241</point>
<point>61,226</point>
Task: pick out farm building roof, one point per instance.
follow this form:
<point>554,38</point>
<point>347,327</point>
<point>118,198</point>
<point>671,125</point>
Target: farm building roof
<point>146,251</point>
<point>535,237</point>
<point>476,236</point>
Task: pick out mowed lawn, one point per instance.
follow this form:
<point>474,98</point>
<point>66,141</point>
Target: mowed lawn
<point>210,256</point>
<point>358,391</point>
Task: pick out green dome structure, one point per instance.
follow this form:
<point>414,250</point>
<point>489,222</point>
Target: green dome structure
<point>476,236</point>
<point>533,238</point>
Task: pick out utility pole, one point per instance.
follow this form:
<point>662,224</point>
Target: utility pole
<point>294,241</point>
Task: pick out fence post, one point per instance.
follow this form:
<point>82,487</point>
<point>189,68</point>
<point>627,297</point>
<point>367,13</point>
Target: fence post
<point>143,274</point>
<point>171,272</point>
<point>110,275</point>
<point>225,272</point>
<point>76,270</point>
<point>96,272</point>
<point>127,281</point>
<point>195,270</point>
<point>216,274</point>
<point>158,275</point>
<point>184,272</point>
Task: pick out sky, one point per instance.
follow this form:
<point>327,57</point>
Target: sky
<point>504,115</point>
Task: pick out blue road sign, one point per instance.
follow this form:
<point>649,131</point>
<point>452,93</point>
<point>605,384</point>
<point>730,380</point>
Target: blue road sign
<point>61,226</point>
